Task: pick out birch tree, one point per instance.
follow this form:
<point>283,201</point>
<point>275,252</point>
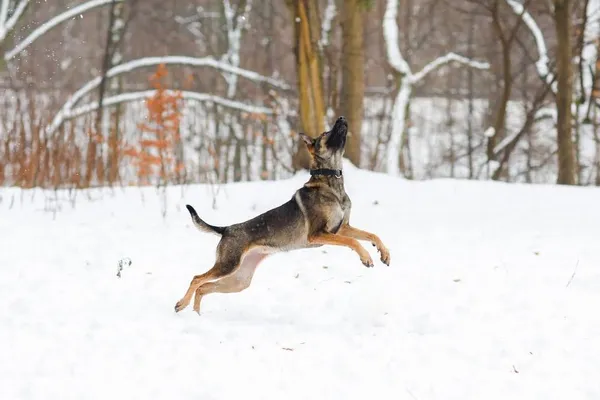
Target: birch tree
<point>408,80</point>
<point>236,19</point>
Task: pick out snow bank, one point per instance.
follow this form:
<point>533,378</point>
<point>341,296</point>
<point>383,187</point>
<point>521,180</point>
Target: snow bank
<point>489,296</point>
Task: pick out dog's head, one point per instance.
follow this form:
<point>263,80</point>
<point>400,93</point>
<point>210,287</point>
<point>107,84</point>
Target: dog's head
<point>327,149</point>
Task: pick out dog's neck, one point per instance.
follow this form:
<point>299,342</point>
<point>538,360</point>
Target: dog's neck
<point>331,177</point>
<point>326,172</point>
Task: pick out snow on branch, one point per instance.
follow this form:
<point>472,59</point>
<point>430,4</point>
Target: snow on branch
<point>135,96</point>
<point>448,58</point>
<point>153,61</point>
<point>546,113</point>
<point>53,22</point>
<point>542,64</point>
<point>7,25</point>
<point>504,143</point>
<point>234,39</point>
<point>390,33</point>
<point>3,15</point>
<point>395,59</point>
<point>330,12</point>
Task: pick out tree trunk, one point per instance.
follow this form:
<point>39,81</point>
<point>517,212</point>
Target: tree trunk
<point>500,113</point>
<point>353,70</point>
<point>312,110</point>
<point>470,87</point>
<point>566,154</point>
<point>404,155</point>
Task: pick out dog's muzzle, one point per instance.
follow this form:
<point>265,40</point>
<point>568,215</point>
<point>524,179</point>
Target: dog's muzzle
<point>337,135</point>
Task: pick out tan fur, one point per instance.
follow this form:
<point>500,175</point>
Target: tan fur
<point>347,230</point>
<point>339,240</point>
<point>317,214</point>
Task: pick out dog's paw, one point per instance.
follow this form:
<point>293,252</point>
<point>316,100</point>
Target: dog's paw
<point>385,256</point>
<point>367,261</point>
<point>180,305</point>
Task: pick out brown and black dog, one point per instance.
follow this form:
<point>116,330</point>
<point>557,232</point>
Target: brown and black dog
<point>318,214</point>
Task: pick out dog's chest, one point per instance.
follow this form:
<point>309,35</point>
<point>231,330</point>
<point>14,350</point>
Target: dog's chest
<point>340,214</point>
<point>346,205</point>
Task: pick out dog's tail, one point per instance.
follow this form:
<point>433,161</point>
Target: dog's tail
<point>203,226</point>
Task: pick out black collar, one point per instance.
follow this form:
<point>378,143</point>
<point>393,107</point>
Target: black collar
<point>326,171</point>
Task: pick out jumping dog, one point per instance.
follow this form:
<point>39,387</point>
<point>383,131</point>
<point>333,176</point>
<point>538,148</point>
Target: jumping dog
<point>317,214</point>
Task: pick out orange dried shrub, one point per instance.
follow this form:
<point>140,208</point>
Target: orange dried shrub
<point>154,155</point>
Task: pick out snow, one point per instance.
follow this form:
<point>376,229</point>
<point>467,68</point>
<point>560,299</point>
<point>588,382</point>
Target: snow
<point>542,64</point>
<point>504,143</point>
<point>3,18</point>
<point>398,125</point>
<point>153,61</point>
<point>490,295</point>
<point>589,52</point>
<point>328,16</point>
<point>390,34</point>
<point>51,23</point>
<point>448,58</point>
<point>408,80</point>
<point>144,94</point>
<point>234,39</point>
<point>8,24</point>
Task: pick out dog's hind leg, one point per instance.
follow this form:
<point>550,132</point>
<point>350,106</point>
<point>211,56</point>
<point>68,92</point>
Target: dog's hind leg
<point>339,240</point>
<point>228,260</point>
<point>197,281</point>
<point>234,283</point>
<point>350,231</point>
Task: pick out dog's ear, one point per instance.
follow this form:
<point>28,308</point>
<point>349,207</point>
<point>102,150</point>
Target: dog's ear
<point>307,140</point>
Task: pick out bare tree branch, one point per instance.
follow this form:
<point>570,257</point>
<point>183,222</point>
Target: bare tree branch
<point>57,20</point>
<point>152,61</point>
<point>448,58</point>
<point>135,96</point>
<point>8,24</point>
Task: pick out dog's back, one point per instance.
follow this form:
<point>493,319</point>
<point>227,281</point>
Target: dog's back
<point>282,228</point>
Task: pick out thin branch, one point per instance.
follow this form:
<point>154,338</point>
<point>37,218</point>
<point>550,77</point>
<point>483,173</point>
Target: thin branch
<point>3,16</point>
<point>535,114</point>
<point>134,96</point>
<point>152,61</point>
<point>8,25</point>
<point>450,57</point>
<point>234,38</point>
<point>53,22</point>
<point>542,65</point>
<point>390,33</point>
<point>520,20</point>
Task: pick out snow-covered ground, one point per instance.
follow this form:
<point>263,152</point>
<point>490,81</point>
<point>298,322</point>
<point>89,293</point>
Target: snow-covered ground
<point>492,293</point>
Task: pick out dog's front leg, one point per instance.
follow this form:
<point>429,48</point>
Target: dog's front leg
<point>338,240</point>
<point>347,230</point>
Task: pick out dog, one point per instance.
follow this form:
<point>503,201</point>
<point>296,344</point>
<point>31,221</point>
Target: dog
<point>317,214</point>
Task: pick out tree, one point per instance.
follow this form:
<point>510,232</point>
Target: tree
<point>310,85</point>
<point>562,83</point>
<point>352,90</point>
<point>407,80</point>
<point>564,72</point>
